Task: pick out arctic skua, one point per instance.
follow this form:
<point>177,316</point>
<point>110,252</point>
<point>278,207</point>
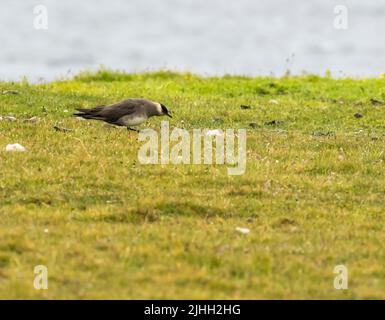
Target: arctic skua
<point>127,113</point>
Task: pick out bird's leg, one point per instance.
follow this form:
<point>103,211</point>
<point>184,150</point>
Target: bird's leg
<point>131,129</point>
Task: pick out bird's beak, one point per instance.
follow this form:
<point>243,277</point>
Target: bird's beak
<point>169,115</point>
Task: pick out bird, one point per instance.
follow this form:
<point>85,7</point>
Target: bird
<point>127,113</point>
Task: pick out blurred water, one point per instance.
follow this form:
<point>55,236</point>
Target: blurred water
<point>210,37</point>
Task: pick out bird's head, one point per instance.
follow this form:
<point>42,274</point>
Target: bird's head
<point>165,111</point>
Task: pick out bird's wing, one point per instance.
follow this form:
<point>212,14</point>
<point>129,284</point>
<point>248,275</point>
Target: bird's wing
<point>115,111</point>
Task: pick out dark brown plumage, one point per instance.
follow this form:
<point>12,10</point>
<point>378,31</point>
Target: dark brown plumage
<point>130,112</point>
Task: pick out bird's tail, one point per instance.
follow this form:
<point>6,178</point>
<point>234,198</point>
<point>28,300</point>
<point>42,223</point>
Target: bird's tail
<point>89,113</point>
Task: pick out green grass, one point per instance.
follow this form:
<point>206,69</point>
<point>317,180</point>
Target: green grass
<point>106,226</point>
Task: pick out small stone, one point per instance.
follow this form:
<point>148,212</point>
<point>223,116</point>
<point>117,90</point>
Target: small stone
<point>323,134</point>
<point>376,102</point>
<point>15,148</point>
<point>358,115</point>
<point>273,123</point>
<point>287,221</point>
<point>7,118</point>
<point>62,129</point>
<point>273,101</point>
<point>32,120</point>
<point>242,230</point>
<point>10,92</point>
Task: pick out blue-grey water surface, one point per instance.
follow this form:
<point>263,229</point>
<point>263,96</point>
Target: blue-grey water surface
<point>209,37</point>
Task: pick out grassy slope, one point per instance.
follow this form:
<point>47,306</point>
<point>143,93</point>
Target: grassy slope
<point>312,196</point>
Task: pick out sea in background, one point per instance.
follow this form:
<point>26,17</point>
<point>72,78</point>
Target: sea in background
<point>208,37</point>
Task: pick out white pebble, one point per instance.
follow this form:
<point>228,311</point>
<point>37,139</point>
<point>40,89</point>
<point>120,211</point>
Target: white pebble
<point>32,120</point>
<point>243,230</point>
<point>273,101</point>
<point>15,148</point>
<point>7,118</point>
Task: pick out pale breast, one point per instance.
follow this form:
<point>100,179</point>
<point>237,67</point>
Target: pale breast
<point>131,120</point>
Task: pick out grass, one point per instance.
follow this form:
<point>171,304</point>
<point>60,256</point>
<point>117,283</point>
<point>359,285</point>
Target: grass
<point>106,226</point>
